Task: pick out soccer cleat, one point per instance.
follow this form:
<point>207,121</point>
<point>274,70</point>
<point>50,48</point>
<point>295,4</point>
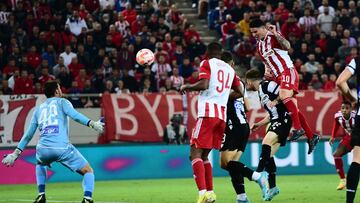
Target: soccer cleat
<point>243,201</point>
<point>40,199</point>
<point>342,184</point>
<point>272,193</point>
<point>263,183</point>
<point>296,134</point>
<point>210,197</point>
<point>313,142</point>
<point>85,200</point>
<point>202,198</point>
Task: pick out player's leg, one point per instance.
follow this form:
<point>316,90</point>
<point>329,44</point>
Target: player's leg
<point>237,179</point>
<point>208,170</point>
<point>313,139</point>
<point>270,139</point>
<point>271,169</point>
<point>44,157</point>
<point>198,169</point>
<point>352,179</point>
<point>88,182</point>
<point>41,174</point>
<point>74,160</point>
<point>339,165</point>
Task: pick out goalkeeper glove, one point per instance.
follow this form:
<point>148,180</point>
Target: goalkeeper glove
<point>9,159</point>
<point>98,125</point>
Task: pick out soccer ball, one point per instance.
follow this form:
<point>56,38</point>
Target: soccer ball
<point>145,57</point>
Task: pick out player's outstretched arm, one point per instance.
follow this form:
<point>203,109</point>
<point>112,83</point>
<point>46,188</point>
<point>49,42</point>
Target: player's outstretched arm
<point>200,85</point>
<point>80,118</point>
<point>341,83</point>
<point>264,121</point>
<point>9,159</point>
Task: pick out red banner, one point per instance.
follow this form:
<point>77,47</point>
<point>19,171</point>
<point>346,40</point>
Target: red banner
<point>142,117</point>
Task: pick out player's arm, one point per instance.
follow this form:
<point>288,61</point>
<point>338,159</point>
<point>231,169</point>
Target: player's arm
<point>264,121</point>
<point>285,44</point>
<point>335,128</point>
<point>341,82</point>
<point>80,118</point>
<point>9,159</point>
<point>200,85</point>
<point>238,87</point>
<point>204,79</point>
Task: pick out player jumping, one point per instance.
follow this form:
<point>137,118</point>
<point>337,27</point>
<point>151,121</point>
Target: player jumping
<point>352,179</point>
<point>237,132</point>
<point>280,125</point>
<point>54,146</point>
<point>216,78</point>
<point>346,119</point>
<point>272,48</point>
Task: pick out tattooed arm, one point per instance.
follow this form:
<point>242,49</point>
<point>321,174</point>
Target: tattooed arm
<point>285,44</point>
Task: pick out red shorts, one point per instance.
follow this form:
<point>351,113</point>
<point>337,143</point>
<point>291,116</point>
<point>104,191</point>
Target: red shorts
<point>346,141</point>
<point>208,133</point>
<point>289,80</point>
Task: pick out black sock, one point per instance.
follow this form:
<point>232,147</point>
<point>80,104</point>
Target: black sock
<point>271,169</point>
<point>264,157</point>
<point>237,179</point>
<point>352,181</point>
<point>235,168</point>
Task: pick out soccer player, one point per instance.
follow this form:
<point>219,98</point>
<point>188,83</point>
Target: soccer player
<point>51,117</point>
<point>272,48</point>
<point>216,79</point>
<point>277,133</point>
<point>237,133</point>
<point>346,119</point>
<point>352,179</point>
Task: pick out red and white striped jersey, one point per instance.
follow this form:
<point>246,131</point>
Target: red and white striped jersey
<point>213,101</point>
<point>346,124</point>
<point>272,54</point>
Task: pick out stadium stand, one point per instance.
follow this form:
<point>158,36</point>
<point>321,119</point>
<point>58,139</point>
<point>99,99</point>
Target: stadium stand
<point>90,45</point>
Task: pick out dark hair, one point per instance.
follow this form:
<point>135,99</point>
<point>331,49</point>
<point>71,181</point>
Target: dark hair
<point>253,74</point>
<point>50,88</point>
<point>346,102</point>
<point>214,49</point>
<point>227,56</point>
<point>256,22</point>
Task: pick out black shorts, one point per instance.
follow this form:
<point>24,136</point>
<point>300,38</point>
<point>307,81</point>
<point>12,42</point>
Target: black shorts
<point>236,137</point>
<point>281,127</point>
<point>355,133</point>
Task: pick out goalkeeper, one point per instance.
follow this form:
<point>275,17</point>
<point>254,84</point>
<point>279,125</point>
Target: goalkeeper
<point>51,117</point>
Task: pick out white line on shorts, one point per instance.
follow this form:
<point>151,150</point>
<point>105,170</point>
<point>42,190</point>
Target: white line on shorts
<point>55,201</point>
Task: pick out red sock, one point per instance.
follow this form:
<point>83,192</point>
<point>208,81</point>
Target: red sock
<point>199,173</point>
<point>304,124</point>
<point>293,110</point>
<point>208,176</point>
<point>339,167</point>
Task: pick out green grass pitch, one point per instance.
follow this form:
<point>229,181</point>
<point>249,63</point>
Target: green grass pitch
<point>297,188</point>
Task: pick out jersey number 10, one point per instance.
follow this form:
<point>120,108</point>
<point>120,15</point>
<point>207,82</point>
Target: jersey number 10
<point>224,84</point>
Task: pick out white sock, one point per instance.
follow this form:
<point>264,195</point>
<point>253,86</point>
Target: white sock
<point>210,191</point>
<point>241,197</point>
<point>87,197</point>
<point>202,192</point>
<point>255,176</point>
<point>41,193</point>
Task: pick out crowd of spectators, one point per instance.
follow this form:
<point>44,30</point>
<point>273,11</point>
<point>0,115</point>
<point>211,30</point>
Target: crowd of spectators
<point>325,35</point>
<point>90,45</point>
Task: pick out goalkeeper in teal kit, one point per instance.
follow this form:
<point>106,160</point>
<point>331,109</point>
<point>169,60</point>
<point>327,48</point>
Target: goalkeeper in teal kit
<point>51,117</point>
